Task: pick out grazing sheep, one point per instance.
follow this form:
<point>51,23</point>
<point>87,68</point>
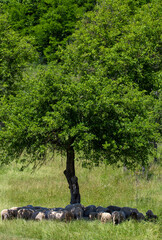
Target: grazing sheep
<point>14,211</point>
<point>116,217</point>
<point>57,215</point>
<point>8,214</point>
<point>150,215</point>
<point>75,205</point>
<point>137,216</point>
<point>140,216</point>
<point>78,213</point>
<point>101,209</point>
<point>39,216</point>
<point>128,211</point>
<point>133,216</point>
<point>5,214</point>
<point>93,215</point>
<point>69,216</point>
<point>112,209</point>
<point>122,216</point>
<point>51,215</point>
<point>76,210</point>
<point>25,213</point>
<point>88,209</point>
<point>60,215</point>
<point>106,217</point>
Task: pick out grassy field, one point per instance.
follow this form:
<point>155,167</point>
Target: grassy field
<point>100,186</point>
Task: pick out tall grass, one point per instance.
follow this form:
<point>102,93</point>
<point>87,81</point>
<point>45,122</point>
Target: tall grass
<point>101,186</point>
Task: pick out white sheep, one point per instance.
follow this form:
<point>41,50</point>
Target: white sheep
<point>39,216</point>
<point>106,217</point>
<point>5,214</point>
<point>57,215</point>
<point>8,214</point>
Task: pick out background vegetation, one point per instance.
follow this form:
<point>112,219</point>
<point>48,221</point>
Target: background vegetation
<point>50,22</point>
<point>82,78</point>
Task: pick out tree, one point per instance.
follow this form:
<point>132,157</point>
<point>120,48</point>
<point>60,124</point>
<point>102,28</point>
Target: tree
<point>88,103</point>
<point>108,122</point>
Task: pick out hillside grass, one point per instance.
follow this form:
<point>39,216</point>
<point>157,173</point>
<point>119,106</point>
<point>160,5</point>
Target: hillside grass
<point>101,186</point>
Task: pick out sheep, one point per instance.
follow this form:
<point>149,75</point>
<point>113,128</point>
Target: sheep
<point>60,215</point>
<point>25,213</point>
<point>150,215</point>
<point>76,210</point>
<point>75,205</point>
<point>137,216</point>
<point>140,216</point>
<point>69,216</point>
<point>57,215</point>
<point>92,215</point>
<point>112,209</point>
<point>5,214</point>
<point>14,211</point>
<point>101,209</point>
<point>116,217</point>
<point>106,217</point>
<point>88,209</point>
<point>122,216</point>
<point>128,211</point>
<point>78,213</point>
<point>51,215</point>
<point>8,214</point>
<point>39,216</point>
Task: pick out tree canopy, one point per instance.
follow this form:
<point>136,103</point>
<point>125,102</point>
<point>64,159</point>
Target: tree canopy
<point>99,99</point>
<point>111,121</point>
<point>115,41</point>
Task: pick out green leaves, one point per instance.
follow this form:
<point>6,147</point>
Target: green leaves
<point>102,93</point>
<point>50,23</point>
<point>15,55</point>
<point>114,42</point>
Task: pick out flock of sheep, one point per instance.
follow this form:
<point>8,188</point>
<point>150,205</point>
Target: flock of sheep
<point>77,211</point>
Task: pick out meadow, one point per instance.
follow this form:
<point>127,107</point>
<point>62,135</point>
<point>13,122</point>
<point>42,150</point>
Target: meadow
<point>100,186</point>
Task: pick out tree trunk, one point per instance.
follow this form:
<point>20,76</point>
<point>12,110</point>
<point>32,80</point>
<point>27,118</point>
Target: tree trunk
<point>155,147</point>
<point>70,175</point>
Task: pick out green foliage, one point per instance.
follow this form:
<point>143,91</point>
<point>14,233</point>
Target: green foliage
<point>107,120</point>
<point>114,42</point>
<point>50,22</point>
<point>101,97</point>
<point>15,53</point>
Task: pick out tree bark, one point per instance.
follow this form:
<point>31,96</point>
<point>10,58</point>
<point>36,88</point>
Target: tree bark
<point>155,147</point>
<point>70,175</point>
